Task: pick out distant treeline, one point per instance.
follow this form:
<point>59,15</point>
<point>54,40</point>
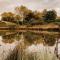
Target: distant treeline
<point>25,16</point>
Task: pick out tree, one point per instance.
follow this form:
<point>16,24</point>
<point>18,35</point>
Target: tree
<point>18,19</point>
<point>50,16</point>
<point>7,16</point>
<point>28,18</point>
<point>10,17</point>
<point>22,11</point>
<point>33,18</point>
<point>37,15</point>
<point>38,18</point>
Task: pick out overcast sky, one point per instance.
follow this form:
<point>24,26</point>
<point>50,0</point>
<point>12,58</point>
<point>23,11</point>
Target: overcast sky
<point>9,5</point>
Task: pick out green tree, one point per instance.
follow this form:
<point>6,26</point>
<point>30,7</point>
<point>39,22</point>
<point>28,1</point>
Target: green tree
<point>28,18</point>
<point>50,16</point>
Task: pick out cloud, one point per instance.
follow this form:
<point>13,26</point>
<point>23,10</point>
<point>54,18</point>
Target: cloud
<point>8,5</point>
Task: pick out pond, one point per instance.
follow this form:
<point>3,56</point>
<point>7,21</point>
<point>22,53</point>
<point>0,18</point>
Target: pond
<point>30,46</point>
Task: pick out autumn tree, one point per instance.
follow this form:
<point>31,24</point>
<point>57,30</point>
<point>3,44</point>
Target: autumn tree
<point>38,17</point>
<point>33,18</point>
<point>22,11</point>
<point>7,16</point>
<point>18,19</point>
<point>37,14</point>
<point>10,17</point>
<point>29,16</point>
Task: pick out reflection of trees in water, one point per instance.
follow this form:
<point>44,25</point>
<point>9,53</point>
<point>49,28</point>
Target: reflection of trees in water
<point>49,39</point>
<point>19,54</point>
<point>30,37</point>
<point>11,37</point>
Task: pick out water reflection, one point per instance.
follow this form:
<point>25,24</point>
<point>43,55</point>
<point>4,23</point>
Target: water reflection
<point>29,37</point>
<point>34,46</point>
<point>10,37</point>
